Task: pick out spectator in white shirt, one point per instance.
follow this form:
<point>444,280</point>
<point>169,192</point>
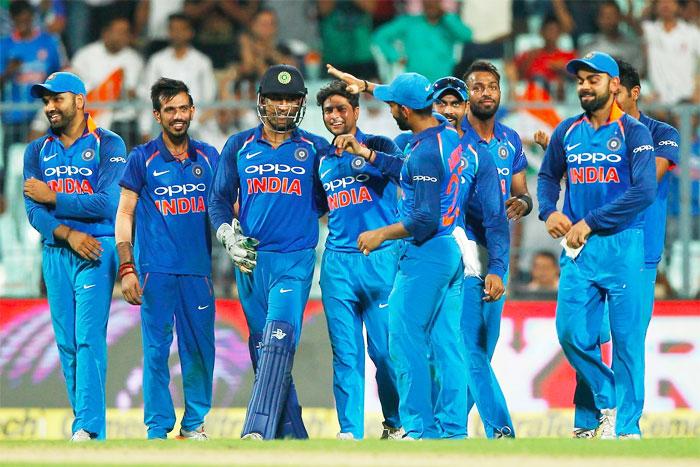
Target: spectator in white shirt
<point>111,70</point>
<point>179,61</point>
<point>673,55</point>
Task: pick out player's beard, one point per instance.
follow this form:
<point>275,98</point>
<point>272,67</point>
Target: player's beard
<point>177,135</point>
<point>594,104</point>
<point>482,111</point>
<point>402,122</point>
<point>61,118</point>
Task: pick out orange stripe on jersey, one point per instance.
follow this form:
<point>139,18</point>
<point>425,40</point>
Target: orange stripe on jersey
<point>150,158</point>
<point>439,143</point>
<point>204,156</point>
<point>574,125</point>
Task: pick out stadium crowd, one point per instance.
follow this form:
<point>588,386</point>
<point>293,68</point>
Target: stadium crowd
<point>221,48</point>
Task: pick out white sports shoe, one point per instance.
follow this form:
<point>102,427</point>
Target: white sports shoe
<point>253,437</point>
<point>196,435</point>
<point>606,427</point>
<point>583,433</point>
<point>345,436</point>
<point>389,432</point>
<point>80,436</point>
<point>630,436</point>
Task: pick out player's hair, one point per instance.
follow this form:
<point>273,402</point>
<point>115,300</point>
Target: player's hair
<point>337,88</point>
<point>18,7</point>
<point>424,112</point>
<point>547,254</point>
<point>165,89</point>
<point>629,76</point>
<point>181,17</point>
<point>482,65</point>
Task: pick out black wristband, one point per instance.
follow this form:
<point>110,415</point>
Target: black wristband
<point>366,85</point>
<point>528,201</point>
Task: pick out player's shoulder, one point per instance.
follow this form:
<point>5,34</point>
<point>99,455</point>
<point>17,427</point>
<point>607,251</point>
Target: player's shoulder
<point>34,146</point>
<point>660,130</point>
<point>204,147</point>
<point>141,151</point>
<point>566,125</point>
<point>236,141</point>
<point>108,136</point>
<point>632,126</point>
<point>319,142</point>
<point>509,133</point>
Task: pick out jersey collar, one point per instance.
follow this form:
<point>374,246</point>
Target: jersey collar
<point>468,129</point>
<point>296,135</point>
<point>90,129</point>
<point>165,152</point>
<point>429,132</point>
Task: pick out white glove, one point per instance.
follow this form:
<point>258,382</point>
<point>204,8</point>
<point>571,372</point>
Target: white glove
<point>240,248</point>
<point>470,253</point>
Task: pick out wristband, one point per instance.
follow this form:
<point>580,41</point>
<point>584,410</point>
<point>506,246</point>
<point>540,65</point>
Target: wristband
<point>525,197</point>
<point>366,85</point>
<point>126,268</point>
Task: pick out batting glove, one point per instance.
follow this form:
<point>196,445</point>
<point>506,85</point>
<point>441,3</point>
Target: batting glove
<point>240,248</point>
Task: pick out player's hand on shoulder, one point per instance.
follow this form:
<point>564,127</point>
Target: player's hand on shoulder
<point>578,234</point>
<point>558,224</point>
<point>493,288</point>
<point>350,144</point>
<point>85,245</point>
<point>131,289</point>
<point>240,248</point>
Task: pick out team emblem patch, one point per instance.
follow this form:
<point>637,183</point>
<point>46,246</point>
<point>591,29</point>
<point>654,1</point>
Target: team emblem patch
<point>88,155</point>
<point>300,154</point>
<point>284,77</point>
<point>358,162</point>
<point>614,143</point>
<point>197,170</point>
<point>588,55</point>
<point>502,152</point>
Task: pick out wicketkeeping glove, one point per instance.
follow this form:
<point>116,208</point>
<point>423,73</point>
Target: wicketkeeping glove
<point>240,248</point>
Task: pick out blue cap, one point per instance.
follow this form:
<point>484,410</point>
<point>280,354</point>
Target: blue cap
<point>409,89</point>
<point>450,83</point>
<point>599,61</point>
<point>58,82</point>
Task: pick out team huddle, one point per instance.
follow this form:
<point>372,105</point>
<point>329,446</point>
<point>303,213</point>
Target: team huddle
<point>410,222</point>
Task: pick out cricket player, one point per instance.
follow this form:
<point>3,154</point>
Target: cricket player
<point>608,159</point>
<point>361,195</point>
<point>666,146</point>
<point>164,192</point>
<point>272,172</point>
<point>499,151</point>
<point>71,193</point>
<point>425,296</point>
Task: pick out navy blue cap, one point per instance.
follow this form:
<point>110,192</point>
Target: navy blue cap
<point>450,83</point>
<point>598,61</point>
<point>58,82</point>
<point>285,80</point>
<point>408,89</point>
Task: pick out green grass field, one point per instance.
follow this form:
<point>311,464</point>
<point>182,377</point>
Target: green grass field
<point>517,453</point>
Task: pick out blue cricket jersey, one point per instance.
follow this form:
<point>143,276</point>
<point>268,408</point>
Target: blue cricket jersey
<point>85,178</point>
<point>279,190</point>
<point>360,196</point>
<point>402,141</point>
<point>485,217</point>
<point>610,172</point>
<point>172,229</point>
<point>431,182</point>
<point>666,145</point>
<point>40,55</point>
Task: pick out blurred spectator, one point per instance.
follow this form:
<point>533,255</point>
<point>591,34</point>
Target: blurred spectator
<point>346,36</point>
<point>691,12</point>
<point>27,57</point>
<point>673,55</point>
<point>51,15</point>
<point>151,22</point>
<point>674,198</point>
<point>576,17</point>
<point>545,66</point>
<point>111,71</point>
<point>491,24</point>
<point>610,38</point>
<point>100,12</point>
<point>260,48</point>
<point>428,40</point>
<point>217,125</point>
<point>178,61</point>
<point>299,24</point>
<point>544,273</point>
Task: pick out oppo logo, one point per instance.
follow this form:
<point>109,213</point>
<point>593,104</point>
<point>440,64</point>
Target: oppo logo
<point>67,170</point>
<point>274,169</point>
<point>504,171</point>
<point>117,159</point>
<point>643,147</point>
<point>344,182</point>
<point>593,157</point>
<point>187,188</point>
<point>668,142</point>
<point>424,178</point>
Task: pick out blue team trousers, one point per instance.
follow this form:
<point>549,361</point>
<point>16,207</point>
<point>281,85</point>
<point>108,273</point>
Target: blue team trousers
<point>586,415</point>
<point>424,323</point>
<point>187,302</point>
<point>356,290</point>
<point>608,268</point>
<point>481,324</point>
<point>79,294</point>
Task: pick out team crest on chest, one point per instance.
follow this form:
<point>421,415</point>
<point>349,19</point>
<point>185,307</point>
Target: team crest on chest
<point>88,154</point>
<point>197,170</point>
<point>614,143</point>
<point>358,163</point>
<point>502,152</point>
<point>301,154</point>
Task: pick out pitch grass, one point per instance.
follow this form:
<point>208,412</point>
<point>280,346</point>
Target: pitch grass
<point>521,452</point>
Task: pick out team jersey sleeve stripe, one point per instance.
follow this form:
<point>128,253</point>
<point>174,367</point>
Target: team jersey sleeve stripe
<point>574,125</point>
<point>151,157</point>
<point>204,156</point>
